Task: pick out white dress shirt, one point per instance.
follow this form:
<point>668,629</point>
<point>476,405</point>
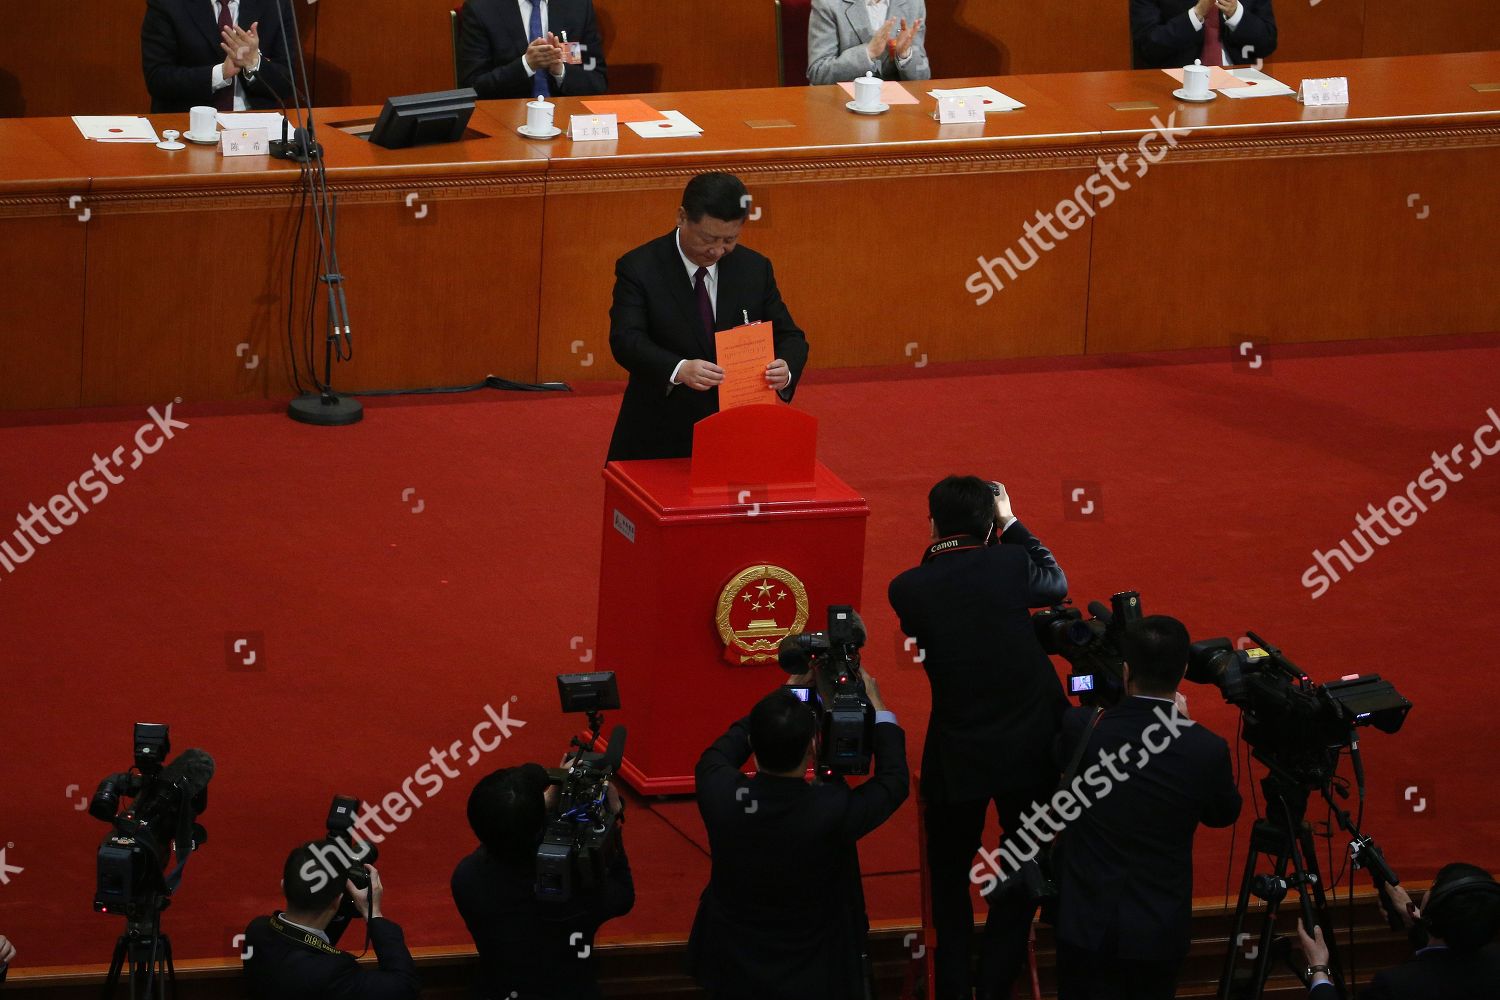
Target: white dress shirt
<point>879,10</point>
<point>710,281</point>
<point>240,104</point>
<point>1232,21</point>
<point>526,22</point>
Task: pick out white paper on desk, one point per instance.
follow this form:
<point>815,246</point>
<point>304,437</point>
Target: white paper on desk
<point>993,99</point>
<point>676,124</point>
<point>1261,85</point>
<point>239,121</point>
<point>115,128</point>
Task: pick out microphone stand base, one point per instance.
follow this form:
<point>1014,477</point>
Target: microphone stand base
<point>325,410</point>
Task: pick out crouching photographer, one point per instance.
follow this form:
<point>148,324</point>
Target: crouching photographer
<point>1453,934</point>
<point>293,954</point>
<point>783,915</point>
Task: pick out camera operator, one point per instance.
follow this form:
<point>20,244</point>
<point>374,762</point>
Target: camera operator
<point>996,707</point>
<point>1125,863</point>
<point>7,952</point>
<point>529,948</point>
<point>783,916</point>
<point>1453,932</point>
<point>292,955</point>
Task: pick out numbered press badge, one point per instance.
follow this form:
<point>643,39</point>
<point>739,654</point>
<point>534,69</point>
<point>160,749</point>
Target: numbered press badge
<point>588,128</point>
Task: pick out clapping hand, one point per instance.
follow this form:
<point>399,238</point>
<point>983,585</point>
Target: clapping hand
<point>242,47</point>
<point>882,38</point>
<point>907,36</point>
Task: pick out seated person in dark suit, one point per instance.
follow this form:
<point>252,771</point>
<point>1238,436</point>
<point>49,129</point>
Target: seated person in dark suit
<point>522,48</point>
<point>671,295</point>
<point>1453,933</point>
<point>1167,34</point>
<point>783,915</point>
<point>228,54</point>
<point>1124,866</point>
<point>529,949</point>
<point>292,955</point>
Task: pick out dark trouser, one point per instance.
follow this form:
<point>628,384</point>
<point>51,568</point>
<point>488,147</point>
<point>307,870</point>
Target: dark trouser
<point>954,830</point>
<point>1089,975</point>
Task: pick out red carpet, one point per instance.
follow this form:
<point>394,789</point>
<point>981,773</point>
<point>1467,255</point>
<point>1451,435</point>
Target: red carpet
<point>387,632</point>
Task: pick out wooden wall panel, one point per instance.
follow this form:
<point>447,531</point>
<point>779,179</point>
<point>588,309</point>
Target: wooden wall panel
<point>79,57</point>
<point>991,37</point>
<point>41,310</point>
<point>1419,27</point>
<point>1331,29</point>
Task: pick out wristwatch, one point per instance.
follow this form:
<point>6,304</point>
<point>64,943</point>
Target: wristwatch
<point>1313,970</point>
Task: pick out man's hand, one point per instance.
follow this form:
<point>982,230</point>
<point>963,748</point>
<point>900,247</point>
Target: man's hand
<point>907,37</point>
<point>612,799</point>
<point>7,950</point>
<point>1228,6</point>
<point>243,47</point>
<point>778,375</point>
<point>1180,700</point>
<point>876,49</point>
<point>1003,511</point>
<point>873,690</point>
<point>544,52</point>
<point>1202,7</point>
<point>367,901</point>
<point>1401,900</point>
<point>700,375</point>
<point>1313,947</point>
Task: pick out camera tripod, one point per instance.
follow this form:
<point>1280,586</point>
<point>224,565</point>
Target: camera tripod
<point>149,953</point>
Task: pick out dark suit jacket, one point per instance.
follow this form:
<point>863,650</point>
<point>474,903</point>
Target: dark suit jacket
<point>1125,865</point>
<point>1432,974</point>
<point>180,48</point>
<point>996,700</point>
<point>781,918</point>
<point>494,38</point>
<point>282,969</point>
<point>1162,36</point>
<point>654,323</point>
<point>526,946</point>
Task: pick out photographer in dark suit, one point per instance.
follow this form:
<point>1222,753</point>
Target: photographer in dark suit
<point>229,54</point>
<point>1125,865</point>
<point>292,956</point>
<point>783,917</point>
<point>516,48</point>
<point>996,705</point>
<point>1169,34</point>
<point>1453,934</point>
<point>671,295</point>
<point>528,948</point>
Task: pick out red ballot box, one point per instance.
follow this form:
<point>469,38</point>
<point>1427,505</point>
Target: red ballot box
<point>707,564</point>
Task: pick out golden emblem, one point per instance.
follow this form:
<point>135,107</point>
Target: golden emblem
<point>758,608</point>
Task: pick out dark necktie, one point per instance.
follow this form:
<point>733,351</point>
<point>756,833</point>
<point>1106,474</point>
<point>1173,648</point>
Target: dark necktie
<point>1213,49</point>
<point>705,309</point>
<point>224,96</point>
<point>541,83</point>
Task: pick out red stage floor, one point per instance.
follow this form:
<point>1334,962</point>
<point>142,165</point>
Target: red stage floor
<point>398,576</point>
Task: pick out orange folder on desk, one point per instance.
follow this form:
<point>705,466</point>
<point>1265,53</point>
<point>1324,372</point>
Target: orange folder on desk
<point>745,353</point>
<point>628,110</point>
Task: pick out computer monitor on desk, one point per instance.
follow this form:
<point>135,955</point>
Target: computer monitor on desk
<point>423,119</point>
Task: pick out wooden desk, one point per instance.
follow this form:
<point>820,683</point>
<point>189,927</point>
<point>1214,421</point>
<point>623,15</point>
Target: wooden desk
<point>495,255</point>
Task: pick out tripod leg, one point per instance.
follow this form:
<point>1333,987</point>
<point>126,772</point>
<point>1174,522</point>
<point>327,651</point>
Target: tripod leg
<point>1268,927</point>
<point>1320,907</point>
<point>1241,909</point>
<point>116,963</point>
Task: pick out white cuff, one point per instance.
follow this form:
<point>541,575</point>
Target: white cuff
<point>527,66</point>
<point>1195,19</point>
<point>562,68</point>
<point>218,78</point>
<point>1233,21</point>
<point>673,378</point>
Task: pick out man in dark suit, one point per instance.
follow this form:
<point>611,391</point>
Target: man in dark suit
<point>1167,34</point>
<point>996,705</point>
<point>783,917</point>
<point>1453,933</point>
<point>529,949</point>
<point>671,295</point>
<point>1125,864</point>
<point>292,956</point>
<point>229,54</point>
<point>531,48</point>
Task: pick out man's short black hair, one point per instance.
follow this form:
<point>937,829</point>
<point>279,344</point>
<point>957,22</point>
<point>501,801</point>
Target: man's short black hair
<point>1156,647</point>
<point>962,505</point>
<point>722,196</point>
<point>507,811</point>
<point>1467,920</point>
<point>313,875</point>
<point>781,727</point>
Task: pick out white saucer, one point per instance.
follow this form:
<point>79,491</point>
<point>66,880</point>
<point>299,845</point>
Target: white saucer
<point>202,140</point>
<point>550,133</point>
<point>170,145</point>
<point>1182,95</point>
<point>879,109</point>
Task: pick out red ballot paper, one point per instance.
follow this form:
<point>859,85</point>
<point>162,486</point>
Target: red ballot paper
<point>745,353</point>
